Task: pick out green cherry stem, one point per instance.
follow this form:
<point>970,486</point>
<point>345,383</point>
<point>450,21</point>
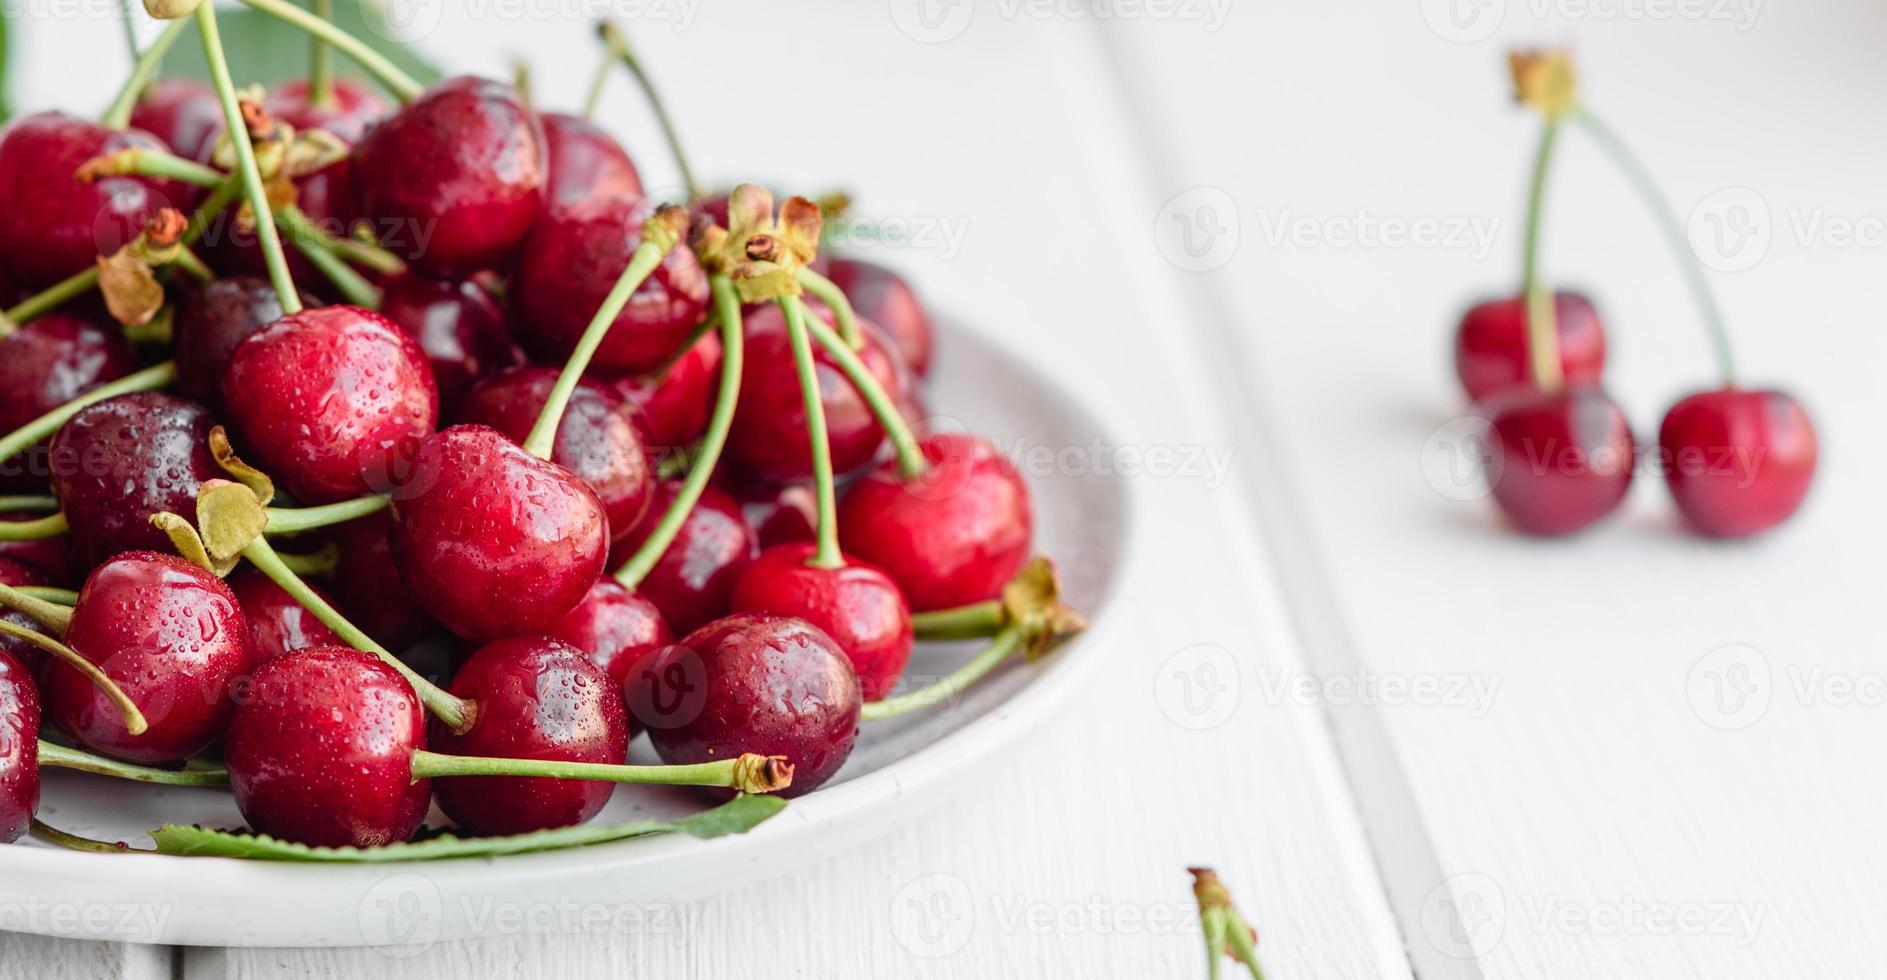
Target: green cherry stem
<point>33,502</point>
<point>747,773</point>
<point>1226,932</point>
<point>619,46</point>
<point>1542,315</point>
<point>1660,206</point>
<point>118,116</point>
<point>727,310</point>
<point>45,612</point>
<point>979,619</point>
<point>322,253</point>
<point>386,72</point>
<point>130,30</point>
<point>296,520</point>
<point>51,526</point>
<point>456,712</point>
<point>826,553</point>
<point>594,98</point>
<point>149,379</point>
<point>955,683</point>
<point>320,563</point>
<point>60,757</point>
<point>253,188</point>
<point>58,597</point>
<point>73,842</point>
<point>911,462</point>
<point>658,239</point>
<point>829,293</point>
<point>133,718</point>
<point>321,60</point>
<point>144,161</point>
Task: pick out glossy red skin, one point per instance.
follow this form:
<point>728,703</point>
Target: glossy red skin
<point>538,698</point>
<point>51,557</point>
<point>769,438</point>
<point>458,325</point>
<point>1491,344</point>
<point>778,513</point>
<point>355,108</point>
<point>1738,462</point>
<point>883,297</point>
<point>368,587</point>
<point>615,628</point>
<point>62,225</point>
<point>17,574</point>
<point>752,682</point>
<point>330,401</point>
<point>568,266</point>
<point>695,577</point>
<point>673,405</point>
<point>955,537</point>
<point>857,605</point>
<point>586,163</point>
<point>212,318</point>
<point>597,439</point>
<point>320,751</point>
<point>278,624</point>
<point>174,639</point>
<point>1558,462</point>
<point>120,461</point>
<point>43,365</point>
<point>463,162</point>
<point>494,541</point>
<point>19,749</point>
<point>184,114</point>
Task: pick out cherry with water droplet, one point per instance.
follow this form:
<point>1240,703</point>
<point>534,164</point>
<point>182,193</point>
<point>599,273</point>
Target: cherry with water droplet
<point>17,574</point>
<point>694,578</point>
<point>458,325</point>
<point>368,587</point>
<point>278,624</point>
<point>615,628</point>
<point>19,747</point>
<point>63,225</point>
<point>43,365</point>
<point>122,460</point>
<point>212,318</point>
<point>769,438</point>
<point>673,404</point>
<point>856,605</point>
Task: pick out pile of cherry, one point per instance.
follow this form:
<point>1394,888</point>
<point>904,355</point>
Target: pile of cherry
<point>1560,453</point>
<point>647,466</point>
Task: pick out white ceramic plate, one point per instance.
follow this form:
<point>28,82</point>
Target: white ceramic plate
<point>1082,521</point>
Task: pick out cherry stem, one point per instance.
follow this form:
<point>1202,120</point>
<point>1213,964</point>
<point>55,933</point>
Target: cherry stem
<point>727,310</point>
<point>976,620</point>
<point>45,612</point>
<point>149,379</point>
<point>396,81</point>
<point>321,60</point>
<point>826,554</point>
<point>133,718</point>
<point>747,773</point>
<point>456,712</point>
<point>60,757</point>
<point>829,293</point>
<point>1660,207</point>
<point>253,187</point>
<point>322,253</point>
<point>1542,313</point>
<point>118,116</point>
<point>911,462</point>
<point>296,520</point>
<point>321,563</point>
<point>647,258</point>
<point>52,594</point>
<point>594,98</point>
<point>147,162</point>
<point>959,680</point>
<point>619,46</point>
<point>130,30</point>
<point>51,526</point>
<point>29,503</point>
<point>73,842</point>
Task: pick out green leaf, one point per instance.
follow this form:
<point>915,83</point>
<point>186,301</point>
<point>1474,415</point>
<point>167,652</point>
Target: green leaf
<point>737,816</point>
<point>262,49</point>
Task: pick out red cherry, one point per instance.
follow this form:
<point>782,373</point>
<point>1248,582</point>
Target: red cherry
<point>172,636</point>
<point>353,109</point>
<point>954,537</point>
<point>495,541</point>
<point>453,181</point>
<point>18,574</point>
<point>538,698</point>
<point>673,405</point>
<point>586,163</point>
<point>569,265</point>
<point>752,682</point>
<point>692,581</point>
<point>184,114</point>
<point>857,605</point>
<point>368,586</point>
<point>1491,345</point>
<point>43,365</point>
<point>278,624</point>
<point>615,628</point>
<point>320,751</point>
<point>51,557</point>
<point>1558,461</point>
<point>458,325</point>
<point>778,513</point>
<point>19,749</point>
<point>118,462</point>
<point>212,318</point>
<point>1738,461</point>
<point>63,225</point>
<point>883,297</point>
<point>596,439</point>
<point>328,400</point>
<point>769,438</point>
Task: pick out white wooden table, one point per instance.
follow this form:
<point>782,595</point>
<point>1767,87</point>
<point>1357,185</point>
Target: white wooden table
<point>1410,741</point>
